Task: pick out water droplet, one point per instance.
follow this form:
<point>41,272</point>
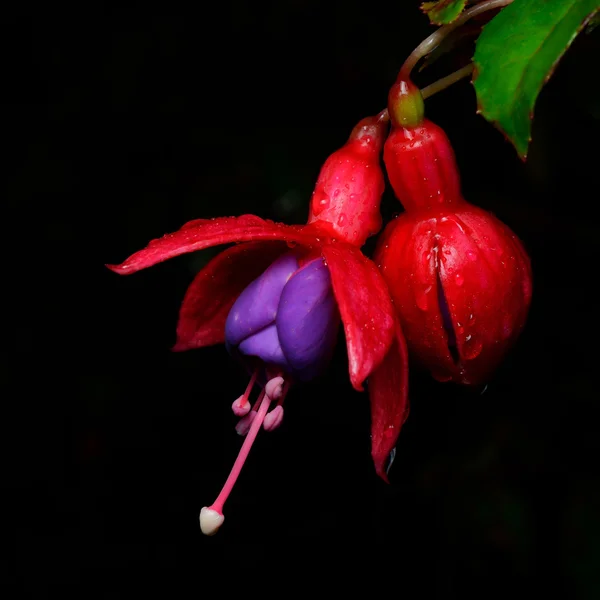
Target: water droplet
<point>336,193</point>
<point>471,255</point>
<point>458,277</point>
<point>320,202</point>
<point>459,329</point>
<point>472,348</point>
<point>341,220</point>
<point>352,196</point>
<point>421,297</point>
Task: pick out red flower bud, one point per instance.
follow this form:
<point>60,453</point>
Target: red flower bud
<point>460,279</point>
<point>348,191</point>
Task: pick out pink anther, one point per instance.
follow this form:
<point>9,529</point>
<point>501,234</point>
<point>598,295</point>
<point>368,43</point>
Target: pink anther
<point>241,406</point>
<point>244,424</point>
<point>274,388</point>
<point>273,419</point>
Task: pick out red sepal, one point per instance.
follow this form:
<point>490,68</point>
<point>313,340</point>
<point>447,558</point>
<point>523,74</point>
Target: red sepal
<point>204,233</point>
<point>365,307</point>
<point>388,393</point>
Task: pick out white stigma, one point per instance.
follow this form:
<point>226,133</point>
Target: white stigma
<point>210,521</point>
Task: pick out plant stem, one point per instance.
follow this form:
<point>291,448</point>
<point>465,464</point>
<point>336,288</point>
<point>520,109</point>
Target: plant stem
<point>444,82</point>
<point>434,40</point>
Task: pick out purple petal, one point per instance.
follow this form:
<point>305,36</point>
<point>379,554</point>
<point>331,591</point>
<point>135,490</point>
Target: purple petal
<point>256,306</point>
<point>265,345</point>
<point>308,320</point>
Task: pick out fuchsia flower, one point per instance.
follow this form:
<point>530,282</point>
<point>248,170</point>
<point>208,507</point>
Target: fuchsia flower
<point>277,300</point>
<point>459,277</point>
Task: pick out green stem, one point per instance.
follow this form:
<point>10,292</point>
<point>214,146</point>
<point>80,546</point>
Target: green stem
<point>434,40</point>
<point>444,82</point>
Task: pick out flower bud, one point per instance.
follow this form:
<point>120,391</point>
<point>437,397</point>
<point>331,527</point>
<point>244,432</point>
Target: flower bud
<point>348,191</point>
<point>460,279</point>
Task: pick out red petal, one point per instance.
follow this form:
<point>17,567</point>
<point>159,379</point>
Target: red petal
<point>388,392</point>
<point>365,307</point>
<point>405,254</point>
<point>203,233</point>
<point>214,290</point>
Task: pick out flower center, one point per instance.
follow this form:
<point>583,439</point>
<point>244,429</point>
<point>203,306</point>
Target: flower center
<point>275,390</point>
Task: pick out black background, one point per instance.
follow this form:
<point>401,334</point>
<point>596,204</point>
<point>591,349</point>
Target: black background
<point>124,122</point>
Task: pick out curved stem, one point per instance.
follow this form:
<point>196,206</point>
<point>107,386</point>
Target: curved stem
<point>444,82</point>
<point>434,40</point>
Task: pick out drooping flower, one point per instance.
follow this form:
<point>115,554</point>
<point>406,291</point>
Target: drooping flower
<point>277,297</point>
<point>459,277</point>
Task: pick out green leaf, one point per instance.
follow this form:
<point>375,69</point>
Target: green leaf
<point>443,11</point>
<point>515,56</point>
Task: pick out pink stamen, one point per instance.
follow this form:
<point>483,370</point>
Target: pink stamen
<point>274,388</point>
<point>211,517</point>
<point>273,419</point>
<point>243,425</point>
<point>241,406</point>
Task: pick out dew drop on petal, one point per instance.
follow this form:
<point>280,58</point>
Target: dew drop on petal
<point>422,299</point>
<point>472,348</point>
<point>320,202</point>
